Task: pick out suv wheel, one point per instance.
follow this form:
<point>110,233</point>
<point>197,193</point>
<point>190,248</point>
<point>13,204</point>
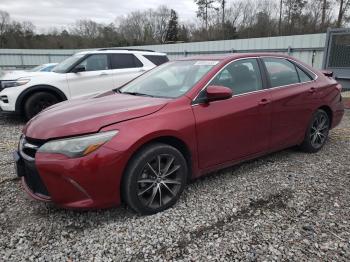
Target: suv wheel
<point>154,179</point>
<point>38,102</point>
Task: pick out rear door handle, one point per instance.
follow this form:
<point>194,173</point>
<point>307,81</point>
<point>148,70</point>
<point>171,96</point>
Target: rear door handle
<point>264,101</point>
<point>312,90</point>
<point>103,74</point>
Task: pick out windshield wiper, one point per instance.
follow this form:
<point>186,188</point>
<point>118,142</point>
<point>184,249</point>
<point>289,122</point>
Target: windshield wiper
<point>133,93</point>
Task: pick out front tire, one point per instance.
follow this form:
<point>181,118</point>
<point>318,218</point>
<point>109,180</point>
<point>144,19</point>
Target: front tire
<point>154,179</point>
<point>317,132</point>
<point>38,102</point>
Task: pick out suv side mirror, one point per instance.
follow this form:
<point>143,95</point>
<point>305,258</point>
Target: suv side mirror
<point>215,93</point>
<point>78,68</point>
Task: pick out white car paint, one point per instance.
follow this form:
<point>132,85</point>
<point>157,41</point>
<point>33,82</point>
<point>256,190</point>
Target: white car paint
<point>75,85</point>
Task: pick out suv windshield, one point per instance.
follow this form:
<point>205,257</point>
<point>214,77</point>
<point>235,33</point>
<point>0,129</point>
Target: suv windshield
<point>170,80</point>
<point>67,63</point>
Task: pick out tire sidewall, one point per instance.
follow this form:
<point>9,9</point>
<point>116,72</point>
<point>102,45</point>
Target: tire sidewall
<point>33,99</point>
<point>307,145</point>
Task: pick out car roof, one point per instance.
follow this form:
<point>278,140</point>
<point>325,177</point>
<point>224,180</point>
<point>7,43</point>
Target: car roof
<point>232,56</point>
<point>121,51</point>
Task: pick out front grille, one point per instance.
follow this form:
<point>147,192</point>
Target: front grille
<point>29,147</point>
<point>33,179</point>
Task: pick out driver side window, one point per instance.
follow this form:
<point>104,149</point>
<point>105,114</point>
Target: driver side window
<point>95,63</point>
<point>241,77</point>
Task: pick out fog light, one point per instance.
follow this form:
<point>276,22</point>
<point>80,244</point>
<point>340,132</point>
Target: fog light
<point>4,99</point>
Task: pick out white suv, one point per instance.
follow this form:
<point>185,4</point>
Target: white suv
<point>85,73</point>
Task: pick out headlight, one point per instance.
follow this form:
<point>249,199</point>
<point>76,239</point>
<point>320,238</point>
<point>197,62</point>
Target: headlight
<point>77,146</point>
<point>12,83</point>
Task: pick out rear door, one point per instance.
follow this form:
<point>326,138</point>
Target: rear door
<point>95,79</point>
<point>125,67</point>
<point>234,128</point>
<point>294,99</point>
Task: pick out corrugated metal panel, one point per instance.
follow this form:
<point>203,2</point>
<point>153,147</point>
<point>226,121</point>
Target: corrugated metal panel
<point>313,44</point>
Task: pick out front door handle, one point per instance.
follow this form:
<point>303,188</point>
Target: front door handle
<point>264,101</point>
<point>312,90</point>
<point>103,74</point>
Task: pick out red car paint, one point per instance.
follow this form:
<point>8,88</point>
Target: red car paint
<point>215,135</point>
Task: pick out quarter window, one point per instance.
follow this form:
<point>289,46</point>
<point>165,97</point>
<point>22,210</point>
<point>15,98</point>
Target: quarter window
<point>281,72</point>
<point>303,76</point>
<point>157,59</point>
<point>241,77</point>
<point>121,61</point>
<point>95,63</point>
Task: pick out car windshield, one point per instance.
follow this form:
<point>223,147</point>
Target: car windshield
<point>37,68</point>
<point>66,64</point>
<point>169,80</point>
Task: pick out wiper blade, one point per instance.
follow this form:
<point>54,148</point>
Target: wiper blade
<point>135,94</point>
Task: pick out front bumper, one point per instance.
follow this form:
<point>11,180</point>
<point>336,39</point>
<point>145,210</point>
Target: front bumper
<point>92,181</point>
<point>31,179</point>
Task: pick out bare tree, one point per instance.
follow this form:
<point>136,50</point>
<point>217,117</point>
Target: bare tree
<point>343,8</point>
<point>4,24</point>
<point>86,28</point>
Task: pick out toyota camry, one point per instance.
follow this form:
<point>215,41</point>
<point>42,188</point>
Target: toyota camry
<point>141,143</point>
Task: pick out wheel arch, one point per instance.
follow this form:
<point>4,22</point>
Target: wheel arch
<point>329,112</point>
<point>19,107</point>
<point>171,140</point>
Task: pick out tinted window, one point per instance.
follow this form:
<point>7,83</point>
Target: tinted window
<point>303,76</point>
<point>281,72</point>
<point>95,62</point>
<point>157,59</point>
<point>120,61</point>
<point>242,76</point>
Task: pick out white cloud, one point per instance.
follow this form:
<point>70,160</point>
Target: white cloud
<point>61,13</point>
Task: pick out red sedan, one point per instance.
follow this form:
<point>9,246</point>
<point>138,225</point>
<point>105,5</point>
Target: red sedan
<point>142,142</point>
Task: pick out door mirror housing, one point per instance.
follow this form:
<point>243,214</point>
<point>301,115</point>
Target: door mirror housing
<point>215,93</point>
<point>78,68</point>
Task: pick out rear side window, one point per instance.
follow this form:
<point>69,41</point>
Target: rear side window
<point>157,59</point>
<point>120,61</point>
<point>281,72</point>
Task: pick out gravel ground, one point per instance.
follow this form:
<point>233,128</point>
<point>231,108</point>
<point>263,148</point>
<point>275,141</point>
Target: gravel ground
<point>285,206</point>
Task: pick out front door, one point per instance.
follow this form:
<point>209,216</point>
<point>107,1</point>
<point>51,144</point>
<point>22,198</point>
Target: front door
<point>231,129</point>
<point>96,78</point>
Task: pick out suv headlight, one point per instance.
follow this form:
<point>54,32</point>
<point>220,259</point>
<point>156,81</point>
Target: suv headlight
<point>78,146</point>
<point>12,83</point>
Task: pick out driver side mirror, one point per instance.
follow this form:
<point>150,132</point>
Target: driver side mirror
<point>215,93</point>
<point>78,68</point>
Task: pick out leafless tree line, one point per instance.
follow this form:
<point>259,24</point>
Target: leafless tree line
<point>216,20</point>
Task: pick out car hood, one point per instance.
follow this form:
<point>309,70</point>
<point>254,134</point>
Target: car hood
<point>90,114</point>
<point>14,75</point>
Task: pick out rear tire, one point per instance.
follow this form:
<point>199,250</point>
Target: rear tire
<point>317,132</point>
<point>154,179</point>
<point>38,102</point>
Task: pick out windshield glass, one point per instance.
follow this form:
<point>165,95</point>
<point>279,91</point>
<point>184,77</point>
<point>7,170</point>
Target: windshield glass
<point>170,80</point>
<point>36,69</point>
<point>66,64</point>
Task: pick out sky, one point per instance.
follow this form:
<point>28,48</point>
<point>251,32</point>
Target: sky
<point>46,14</point>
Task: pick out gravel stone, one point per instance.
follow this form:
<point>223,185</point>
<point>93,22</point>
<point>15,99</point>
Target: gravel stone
<point>288,205</point>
